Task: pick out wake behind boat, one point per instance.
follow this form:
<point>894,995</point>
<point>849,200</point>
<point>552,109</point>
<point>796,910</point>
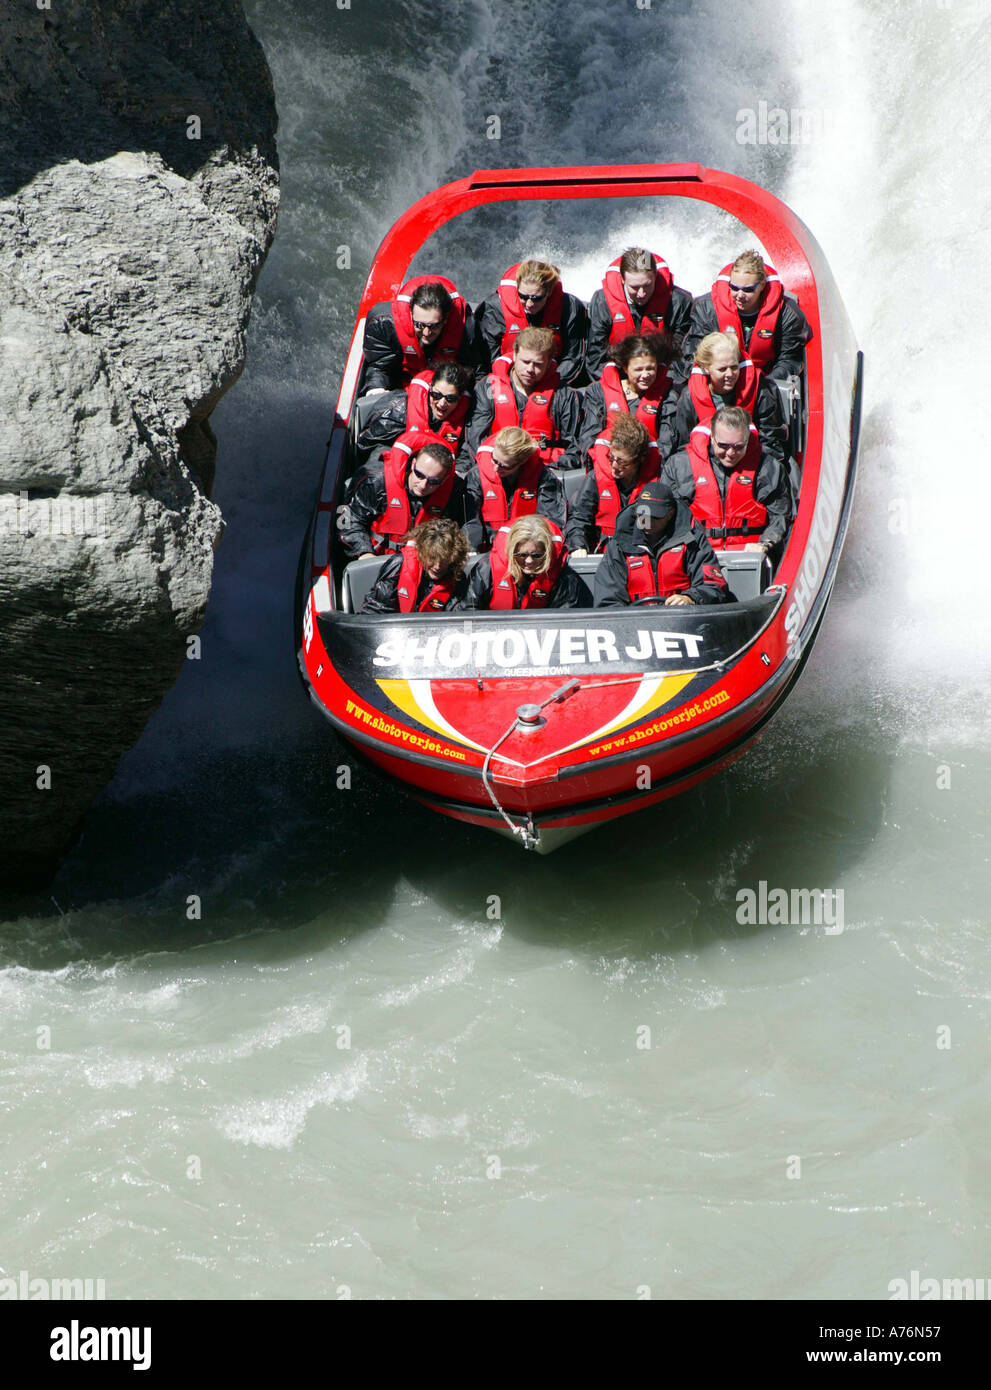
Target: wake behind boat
<point>543,724</point>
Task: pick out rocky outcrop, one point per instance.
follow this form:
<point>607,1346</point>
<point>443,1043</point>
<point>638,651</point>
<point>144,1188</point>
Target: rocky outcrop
<point>138,197</point>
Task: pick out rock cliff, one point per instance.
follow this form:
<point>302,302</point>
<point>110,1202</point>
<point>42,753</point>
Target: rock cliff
<point>138,199</point>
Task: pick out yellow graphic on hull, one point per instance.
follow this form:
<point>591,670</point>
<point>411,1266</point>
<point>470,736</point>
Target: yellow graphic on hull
<point>415,699</point>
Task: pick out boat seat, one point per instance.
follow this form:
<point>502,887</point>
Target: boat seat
<point>790,401</point>
<point>359,580</point>
<point>747,572</point>
<point>571,481</point>
<point>585,565</point>
<point>368,407</point>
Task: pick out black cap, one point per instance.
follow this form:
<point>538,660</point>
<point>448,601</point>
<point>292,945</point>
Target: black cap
<point>657,498</point>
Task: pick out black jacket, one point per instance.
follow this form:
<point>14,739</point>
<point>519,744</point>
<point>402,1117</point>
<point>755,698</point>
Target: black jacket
<point>791,333</point>
<point>389,423</point>
<point>767,417</point>
<point>581,532</point>
<point>490,326</point>
<point>771,488</point>
<point>707,582</point>
<point>384,595</point>
<point>570,591</point>
<point>594,418</point>
<point>679,321</point>
<point>565,412</point>
<point>550,503</point>
<point>369,502</point>
<point>383,356</point>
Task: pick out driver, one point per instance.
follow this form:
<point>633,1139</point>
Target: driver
<point>655,553</point>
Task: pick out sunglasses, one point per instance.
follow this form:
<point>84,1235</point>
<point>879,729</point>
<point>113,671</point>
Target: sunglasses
<point>727,448</point>
<point>443,396</point>
<point>745,289</point>
<point>428,482</point>
<point>533,298</point>
<point>422,327</point>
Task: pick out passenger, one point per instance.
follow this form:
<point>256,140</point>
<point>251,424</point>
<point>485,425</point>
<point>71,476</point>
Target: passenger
<point>657,553</point>
<point>623,460</point>
<point>638,379</point>
<point>638,295</point>
<point>529,393</point>
<point>427,576</point>
<point>748,300</point>
<point>416,482</point>
<point>437,402</point>
<point>530,295</point>
<point>738,491</point>
<point>510,480</point>
<point>720,378</point>
<point>527,569</point>
<point>426,324</point>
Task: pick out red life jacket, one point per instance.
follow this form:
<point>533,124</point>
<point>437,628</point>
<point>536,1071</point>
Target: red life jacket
<point>418,412</point>
<point>536,418</point>
<point>745,395</point>
<point>504,591</point>
<point>396,519</point>
<point>610,502</point>
<point>648,410</point>
<point>410,575</point>
<point>647,577</point>
<point>515,315</point>
<point>447,345</point>
<point>524,502</point>
<point>729,524</point>
<point>761,345</point>
<point>655,311</point>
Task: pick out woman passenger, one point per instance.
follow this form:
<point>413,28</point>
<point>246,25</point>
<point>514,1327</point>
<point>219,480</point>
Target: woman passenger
<point>427,575</point>
<point>719,378</point>
<point>526,568</point>
<point>638,379</point>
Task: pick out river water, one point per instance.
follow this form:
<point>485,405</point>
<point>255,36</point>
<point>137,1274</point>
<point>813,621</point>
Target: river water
<point>273,1037</point>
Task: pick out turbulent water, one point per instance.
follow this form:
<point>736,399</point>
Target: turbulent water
<point>273,1038</point>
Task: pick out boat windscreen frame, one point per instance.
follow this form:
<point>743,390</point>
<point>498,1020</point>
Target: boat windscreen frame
<point>789,245</point>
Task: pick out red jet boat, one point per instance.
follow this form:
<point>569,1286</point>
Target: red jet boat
<point>542,725</point>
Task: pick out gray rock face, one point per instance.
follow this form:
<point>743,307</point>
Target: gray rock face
<point>128,258</point>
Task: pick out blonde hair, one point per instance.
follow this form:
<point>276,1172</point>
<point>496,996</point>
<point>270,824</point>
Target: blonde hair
<point>540,273</point>
<point>535,340</point>
<point>537,531</point>
<point>751,262</point>
<point>706,349</point>
<point>515,444</point>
